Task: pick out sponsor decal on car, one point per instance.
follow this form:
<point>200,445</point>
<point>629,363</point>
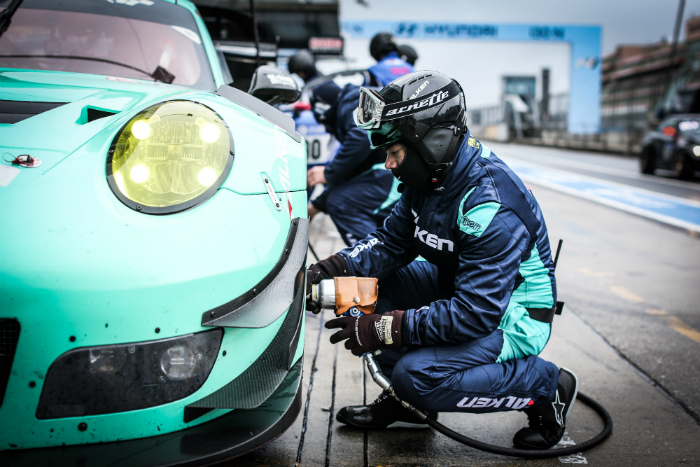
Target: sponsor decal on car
<point>191,35</point>
<point>132,2</point>
<point>281,79</point>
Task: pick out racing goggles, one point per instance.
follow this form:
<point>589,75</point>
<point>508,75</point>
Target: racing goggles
<point>372,110</point>
<point>368,114</point>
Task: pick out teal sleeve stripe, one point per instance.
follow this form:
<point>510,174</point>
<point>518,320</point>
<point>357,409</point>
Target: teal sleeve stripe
<point>394,195</point>
<point>485,152</point>
<point>461,205</point>
<point>536,289</point>
<point>477,220</point>
<point>522,335</point>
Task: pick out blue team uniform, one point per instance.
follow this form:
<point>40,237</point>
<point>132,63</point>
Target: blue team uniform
<point>486,264</point>
<point>360,193</point>
<point>389,68</point>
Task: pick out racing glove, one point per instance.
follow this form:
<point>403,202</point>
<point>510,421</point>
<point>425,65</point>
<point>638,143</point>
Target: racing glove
<point>367,333</point>
<point>333,266</point>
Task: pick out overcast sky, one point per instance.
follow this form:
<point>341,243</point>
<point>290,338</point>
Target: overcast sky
<point>623,21</point>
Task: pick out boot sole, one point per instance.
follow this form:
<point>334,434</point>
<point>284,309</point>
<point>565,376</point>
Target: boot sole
<point>398,424</point>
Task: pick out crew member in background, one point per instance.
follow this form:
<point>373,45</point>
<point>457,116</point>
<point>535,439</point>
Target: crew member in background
<point>389,66</point>
<point>461,330</point>
<point>408,54</point>
<point>303,64</point>
<point>359,192</point>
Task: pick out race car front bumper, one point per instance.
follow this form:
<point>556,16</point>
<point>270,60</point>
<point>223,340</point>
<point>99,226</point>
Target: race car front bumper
<point>231,435</point>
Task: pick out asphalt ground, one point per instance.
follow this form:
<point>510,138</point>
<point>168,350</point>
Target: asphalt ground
<point>630,332</point>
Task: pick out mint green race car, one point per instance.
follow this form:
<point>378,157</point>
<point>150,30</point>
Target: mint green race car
<point>154,237</point>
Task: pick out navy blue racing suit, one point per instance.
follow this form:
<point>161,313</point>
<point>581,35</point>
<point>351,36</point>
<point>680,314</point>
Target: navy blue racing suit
<point>389,68</point>
<point>485,264</point>
<point>360,193</point>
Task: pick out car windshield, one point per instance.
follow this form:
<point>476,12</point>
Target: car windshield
<point>129,39</point>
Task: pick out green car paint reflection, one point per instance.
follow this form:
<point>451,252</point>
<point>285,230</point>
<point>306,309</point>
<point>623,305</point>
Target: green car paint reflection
<point>83,271</point>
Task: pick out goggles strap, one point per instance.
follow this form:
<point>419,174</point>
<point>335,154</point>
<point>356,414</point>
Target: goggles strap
<point>409,107</point>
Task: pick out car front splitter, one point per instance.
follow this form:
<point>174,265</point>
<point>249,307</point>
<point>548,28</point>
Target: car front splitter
<point>228,436</point>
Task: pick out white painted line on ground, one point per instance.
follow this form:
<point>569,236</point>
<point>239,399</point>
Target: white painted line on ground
<point>556,179</point>
<point>574,458</point>
<point>618,172</point>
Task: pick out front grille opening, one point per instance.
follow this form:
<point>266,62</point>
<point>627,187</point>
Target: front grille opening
<point>9,336</point>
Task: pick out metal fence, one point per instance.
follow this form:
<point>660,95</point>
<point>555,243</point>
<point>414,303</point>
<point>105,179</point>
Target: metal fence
<point>620,132</point>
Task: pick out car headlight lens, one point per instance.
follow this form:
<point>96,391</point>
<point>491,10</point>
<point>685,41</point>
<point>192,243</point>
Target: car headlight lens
<point>118,378</point>
<point>696,150</point>
<point>170,157</point>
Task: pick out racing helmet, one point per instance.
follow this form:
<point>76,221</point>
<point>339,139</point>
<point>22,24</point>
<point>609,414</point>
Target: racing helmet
<point>382,44</point>
<point>408,54</point>
<point>303,62</point>
<point>425,109</point>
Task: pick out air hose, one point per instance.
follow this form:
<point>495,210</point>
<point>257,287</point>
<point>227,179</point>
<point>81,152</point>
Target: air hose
<point>385,384</point>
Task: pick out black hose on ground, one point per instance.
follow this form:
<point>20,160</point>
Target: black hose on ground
<point>535,454</point>
<point>384,383</point>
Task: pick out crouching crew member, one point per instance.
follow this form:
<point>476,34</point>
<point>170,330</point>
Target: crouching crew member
<point>359,192</point>
<point>461,329</point>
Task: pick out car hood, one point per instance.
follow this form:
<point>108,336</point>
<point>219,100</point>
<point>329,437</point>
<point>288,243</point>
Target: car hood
<point>56,133</point>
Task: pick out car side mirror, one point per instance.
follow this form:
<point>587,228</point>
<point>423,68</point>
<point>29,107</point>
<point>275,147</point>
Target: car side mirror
<point>274,86</point>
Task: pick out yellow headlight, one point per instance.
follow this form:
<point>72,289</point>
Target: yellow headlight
<point>170,157</point>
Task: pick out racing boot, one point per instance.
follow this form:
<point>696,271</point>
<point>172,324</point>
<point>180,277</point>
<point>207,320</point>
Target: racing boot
<point>384,412</point>
<point>547,428</point>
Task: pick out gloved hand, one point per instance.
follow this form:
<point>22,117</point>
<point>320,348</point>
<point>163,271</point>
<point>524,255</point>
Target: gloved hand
<point>367,333</point>
<point>333,266</point>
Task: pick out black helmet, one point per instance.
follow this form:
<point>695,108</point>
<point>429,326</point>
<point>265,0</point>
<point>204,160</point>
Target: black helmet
<point>303,62</point>
<point>381,44</point>
<point>436,131</point>
<point>425,111</point>
<point>408,54</point>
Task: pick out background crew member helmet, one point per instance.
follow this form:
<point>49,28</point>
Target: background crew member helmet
<point>303,64</point>
<point>408,54</point>
<point>382,44</point>
<point>426,112</point>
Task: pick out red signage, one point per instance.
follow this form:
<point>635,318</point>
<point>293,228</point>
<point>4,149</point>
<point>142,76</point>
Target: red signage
<point>326,44</point>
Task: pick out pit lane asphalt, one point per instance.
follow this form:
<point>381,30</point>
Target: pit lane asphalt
<point>630,331</point>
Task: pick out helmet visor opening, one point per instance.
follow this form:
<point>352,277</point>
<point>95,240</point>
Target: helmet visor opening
<point>383,136</point>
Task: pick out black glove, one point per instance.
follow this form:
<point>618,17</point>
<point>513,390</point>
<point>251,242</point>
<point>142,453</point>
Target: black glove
<point>367,333</point>
<point>333,266</point>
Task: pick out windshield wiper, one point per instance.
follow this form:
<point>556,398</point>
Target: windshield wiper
<point>6,15</point>
<point>160,74</point>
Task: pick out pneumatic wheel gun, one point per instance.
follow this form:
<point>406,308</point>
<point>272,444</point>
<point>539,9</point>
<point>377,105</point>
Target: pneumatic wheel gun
<point>346,296</point>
